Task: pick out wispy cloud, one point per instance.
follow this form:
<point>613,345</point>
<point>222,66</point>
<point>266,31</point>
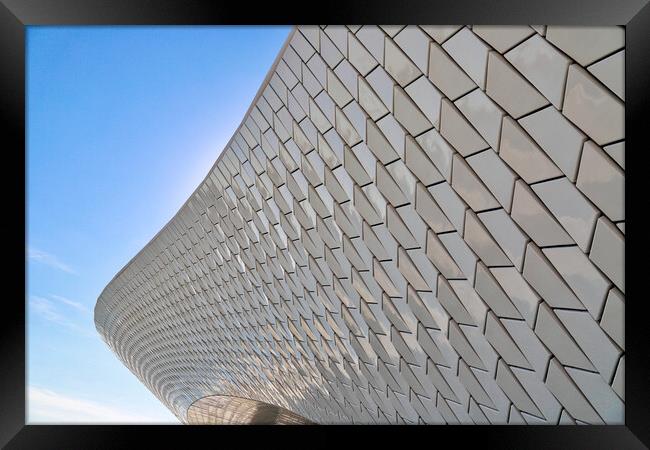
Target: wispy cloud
<point>71,303</point>
<point>48,259</point>
<point>48,311</point>
<point>46,406</point>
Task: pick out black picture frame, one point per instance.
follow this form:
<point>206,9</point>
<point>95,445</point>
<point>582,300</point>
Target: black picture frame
<point>15,15</point>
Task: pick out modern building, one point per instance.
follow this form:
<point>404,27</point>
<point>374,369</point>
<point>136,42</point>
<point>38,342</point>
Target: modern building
<point>410,225</point>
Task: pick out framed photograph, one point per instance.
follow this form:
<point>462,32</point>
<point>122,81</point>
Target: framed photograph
<point>236,216</point>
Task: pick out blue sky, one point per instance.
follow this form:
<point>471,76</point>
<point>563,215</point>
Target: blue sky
<point>123,123</point>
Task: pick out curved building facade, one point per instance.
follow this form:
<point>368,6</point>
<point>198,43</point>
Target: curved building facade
<point>411,225</point>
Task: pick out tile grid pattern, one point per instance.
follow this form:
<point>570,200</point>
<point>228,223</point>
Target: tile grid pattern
<point>411,225</point>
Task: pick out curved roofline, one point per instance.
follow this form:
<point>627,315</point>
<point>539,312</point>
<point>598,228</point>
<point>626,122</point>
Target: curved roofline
<point>259,93</point>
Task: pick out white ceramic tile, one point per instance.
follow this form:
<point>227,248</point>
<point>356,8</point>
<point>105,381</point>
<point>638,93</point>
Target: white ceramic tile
<point>507,234</point>
<point>608,252</point>
<point>302,46</point>
<point>408,114</point>
<point>440,33</point>
<point>458,340</point>
<point>558,137</point>
<point>394,132</point>
<point>455,309</point>
<point>617,153</point>
<point>440,257</point>
<point>576,214</point>
<point>523,155</point>
<point>503,37</point>
<point>536,353</point>
<point>427,98</point>
<point>593,341</point>
<point>370,102</point>
<point>382,85</point>
<point>388,186</point>
<point>357,117</point>
<point>415,44</point>
<point>592,107</point>
<point>569,395</point>
<point>498,337</point>
<point>337,90</point>
<point>520,292</point>
<point>348,76</point>
<point>391,30</point>
<point>535,388</point>
<point>531,215</point>
<point>604,400</point>
<point>446,75</point>
<point>458,131</point>
<point>515,391</point>
<point>539,29</point>
<point>438,150</point>
<point>588,283</point>
<point>469,187</point>
<point>587,43</point>
<point>480,241</point>
<point>310,32</point>
<point>493,295</point>
<point>420,164</point>
<point>372,37</point>
<point>470,53</point>
<point>359,56</point>
<point>511,90</point>
<point>450,203</point>
<point>398,65</point>
<point>378,144</point>
<point>602,181</point>
<point>611,72</point>
<point>430,212</point>
<point>461,253</point>
<point>557,339</point>
<point>330,53</point>
<point>339,36</point>
<point>619,379</point>
<point>613,319</point>
<point>478,310</point>
<point>495,174</point>
<point>483,114</point>
<point>541,275</point>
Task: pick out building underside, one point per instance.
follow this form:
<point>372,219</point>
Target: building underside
<point>228,410</point>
